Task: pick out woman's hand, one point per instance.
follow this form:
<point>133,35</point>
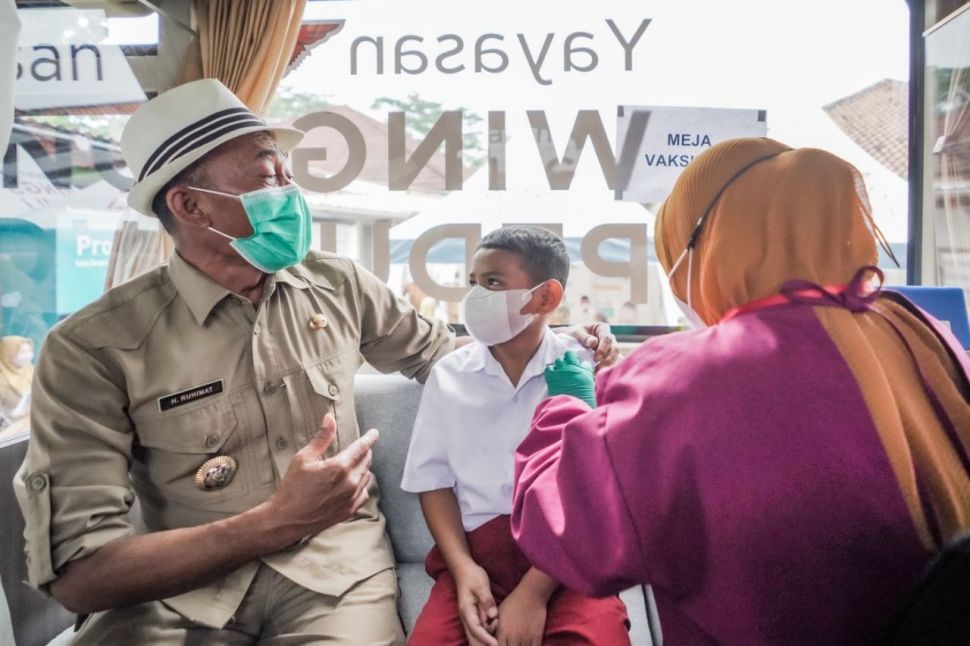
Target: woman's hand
<point>476,605</point>
<point>522,618</point>
<point>570,376</point>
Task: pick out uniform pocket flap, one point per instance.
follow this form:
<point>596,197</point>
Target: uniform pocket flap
<point>203,430</point>
<point>321,385</point>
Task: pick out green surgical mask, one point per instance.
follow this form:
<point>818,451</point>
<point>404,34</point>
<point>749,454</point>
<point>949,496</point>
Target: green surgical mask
<point>280,217</point>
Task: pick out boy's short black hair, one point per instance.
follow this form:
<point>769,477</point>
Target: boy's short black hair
<point>543,253</point>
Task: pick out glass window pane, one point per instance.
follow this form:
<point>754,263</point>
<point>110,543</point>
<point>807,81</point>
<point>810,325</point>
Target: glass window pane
<point>509,84</point>
<point>426,128</point>
<point>63,214</point>
<point>948,138</point>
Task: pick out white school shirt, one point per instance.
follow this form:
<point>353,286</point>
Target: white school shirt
<point>469,423</point>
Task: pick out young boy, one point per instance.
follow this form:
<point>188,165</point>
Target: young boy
<point>476,408</point>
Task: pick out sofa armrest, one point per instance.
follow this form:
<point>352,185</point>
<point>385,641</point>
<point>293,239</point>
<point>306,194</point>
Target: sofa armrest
<point>35,619</point>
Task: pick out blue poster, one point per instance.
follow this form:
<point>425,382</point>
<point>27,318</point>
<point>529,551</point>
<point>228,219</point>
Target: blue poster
<point>83,251</point>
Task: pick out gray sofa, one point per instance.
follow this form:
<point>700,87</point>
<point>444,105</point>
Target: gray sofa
<point>388,403</point>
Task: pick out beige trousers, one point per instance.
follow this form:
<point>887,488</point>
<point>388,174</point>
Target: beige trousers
<point>274,612</point>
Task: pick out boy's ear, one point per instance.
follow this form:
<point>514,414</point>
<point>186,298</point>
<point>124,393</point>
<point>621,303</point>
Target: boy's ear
<point>545,299</point>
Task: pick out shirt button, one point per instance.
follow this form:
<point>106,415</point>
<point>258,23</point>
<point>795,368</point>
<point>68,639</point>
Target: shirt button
<point>269,388</point>
<point>38,483</point>
<point>256,329</point>
<point>281,443</point>
<point>333,390</point>
<point>211,440</point>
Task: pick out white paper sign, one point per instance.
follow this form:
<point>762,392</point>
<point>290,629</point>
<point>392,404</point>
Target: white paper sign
<point>62,62</point>
<point>670,138</point>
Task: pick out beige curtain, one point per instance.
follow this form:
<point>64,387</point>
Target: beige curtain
<point>247,46</point>
<point>136,250</point>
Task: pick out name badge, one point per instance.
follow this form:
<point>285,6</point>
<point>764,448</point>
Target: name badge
<point>168,402</point>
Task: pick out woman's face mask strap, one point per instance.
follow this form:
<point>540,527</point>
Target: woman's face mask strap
<point>695,233</point>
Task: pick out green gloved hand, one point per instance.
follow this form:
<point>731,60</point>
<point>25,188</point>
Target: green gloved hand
<point>570,376</point>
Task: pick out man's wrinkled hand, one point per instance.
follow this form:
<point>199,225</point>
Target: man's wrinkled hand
<point>317,492</point>
<point>597,337</point>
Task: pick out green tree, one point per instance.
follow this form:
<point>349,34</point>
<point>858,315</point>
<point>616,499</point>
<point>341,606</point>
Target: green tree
<point>289,103</point>
<point>421,115</point>
<point>107,126</point>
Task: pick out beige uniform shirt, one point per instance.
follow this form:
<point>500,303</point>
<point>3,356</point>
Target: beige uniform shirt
<point>133,393</point>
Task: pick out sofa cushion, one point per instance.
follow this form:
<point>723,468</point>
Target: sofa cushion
<point>415,589</point>
<point>389,403</point>
<point>636,610</point>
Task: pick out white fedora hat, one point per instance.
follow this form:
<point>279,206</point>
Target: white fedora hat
<point>181,125</point>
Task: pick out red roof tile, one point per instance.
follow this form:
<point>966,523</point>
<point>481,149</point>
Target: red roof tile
<point>312,33</point>
<point>876,118</point>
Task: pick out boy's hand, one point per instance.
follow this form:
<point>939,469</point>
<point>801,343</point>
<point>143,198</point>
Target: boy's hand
<point>476,606</point>
<point>570,376</point>
<point>522,618</point>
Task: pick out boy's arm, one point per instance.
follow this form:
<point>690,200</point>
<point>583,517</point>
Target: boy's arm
<point>476,606</point>
<point>539,584</point>
<point>522,616</point>
<point>443,517</point>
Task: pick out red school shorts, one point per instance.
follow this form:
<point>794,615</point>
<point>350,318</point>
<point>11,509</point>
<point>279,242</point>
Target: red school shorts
<point>571,618</point>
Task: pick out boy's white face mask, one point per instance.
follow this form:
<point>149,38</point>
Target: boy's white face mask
<point>494,317</point>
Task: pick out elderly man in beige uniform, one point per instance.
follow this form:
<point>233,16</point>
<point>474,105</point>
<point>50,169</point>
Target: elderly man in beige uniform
<point>200,387</point>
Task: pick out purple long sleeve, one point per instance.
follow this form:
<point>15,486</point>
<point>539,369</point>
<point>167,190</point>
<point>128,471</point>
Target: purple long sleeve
<point>752,509</point>
<point>565,478</point>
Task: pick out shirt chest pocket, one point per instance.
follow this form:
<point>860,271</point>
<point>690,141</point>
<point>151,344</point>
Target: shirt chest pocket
<point>177,452</point>
<point>322,391</point>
